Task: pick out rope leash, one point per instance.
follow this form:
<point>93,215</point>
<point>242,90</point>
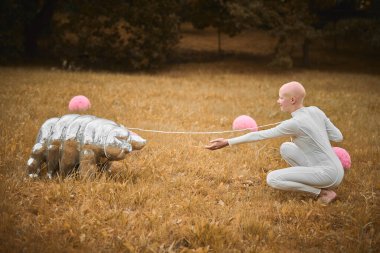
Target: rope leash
<point>189,132</point>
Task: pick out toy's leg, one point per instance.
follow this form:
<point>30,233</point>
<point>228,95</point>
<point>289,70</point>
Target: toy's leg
<point>69,158</point>
<point>105,166</point>
<point>53,160</point>
<point>87,165</point>
<point>37,157</point>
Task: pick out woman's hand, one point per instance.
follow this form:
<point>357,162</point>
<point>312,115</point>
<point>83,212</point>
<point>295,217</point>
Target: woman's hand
<point>217,144</point>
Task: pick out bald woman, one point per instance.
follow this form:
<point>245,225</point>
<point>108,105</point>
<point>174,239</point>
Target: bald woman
<point>314,167</point>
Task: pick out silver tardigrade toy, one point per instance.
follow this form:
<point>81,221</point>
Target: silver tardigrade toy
<point>68,143</point>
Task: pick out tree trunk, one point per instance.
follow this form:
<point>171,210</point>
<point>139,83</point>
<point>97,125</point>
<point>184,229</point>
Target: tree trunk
<point>306,50</point>
<point>335,40</point>
<point>38,26</point>
<point>219,42</point>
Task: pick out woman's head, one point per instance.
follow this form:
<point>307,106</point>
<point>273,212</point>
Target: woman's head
<point>291,96</point>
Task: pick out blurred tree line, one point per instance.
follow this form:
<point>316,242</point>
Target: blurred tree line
<point>142,34</point>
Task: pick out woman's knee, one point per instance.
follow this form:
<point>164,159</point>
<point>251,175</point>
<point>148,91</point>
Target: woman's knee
<point>272,179</point>
<point>287,149</point>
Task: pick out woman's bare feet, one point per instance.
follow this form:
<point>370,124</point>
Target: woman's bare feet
<point>326,196</point>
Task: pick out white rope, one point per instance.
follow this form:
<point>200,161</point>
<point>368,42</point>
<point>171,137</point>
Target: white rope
<point>189,132</point>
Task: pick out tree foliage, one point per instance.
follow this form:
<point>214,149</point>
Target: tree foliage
<point>14,14</point>
<point>229,16</point>
<point>355,20</point>
<point>293,23</point>
<point>140,34</point>
<point>136,33</point>
<point>154,29</point>
<point>298,23</point>
<point>143,33</point>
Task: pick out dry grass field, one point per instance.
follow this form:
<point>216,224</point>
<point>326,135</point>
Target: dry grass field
<point>175,196</point>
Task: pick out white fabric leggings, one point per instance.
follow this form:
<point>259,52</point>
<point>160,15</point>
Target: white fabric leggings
<point>302,176</point>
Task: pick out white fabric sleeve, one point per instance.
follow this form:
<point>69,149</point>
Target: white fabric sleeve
<point>286,128</point>
<point>333,132</point>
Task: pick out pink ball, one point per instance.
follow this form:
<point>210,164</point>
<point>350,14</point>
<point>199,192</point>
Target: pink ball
<point>244,122</point>
<point>343,156</point>
<point>79,103</point>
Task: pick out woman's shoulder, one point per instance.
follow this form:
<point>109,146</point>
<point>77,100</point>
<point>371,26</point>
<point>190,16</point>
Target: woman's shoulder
<point>315,109</point>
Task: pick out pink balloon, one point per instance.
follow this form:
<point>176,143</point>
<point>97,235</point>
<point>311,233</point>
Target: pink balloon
<point>343,156</point>
<point>244,122</point>
<point>79,103</point>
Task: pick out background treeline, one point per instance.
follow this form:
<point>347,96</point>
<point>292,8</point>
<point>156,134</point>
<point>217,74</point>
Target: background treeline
<point>143,34</point>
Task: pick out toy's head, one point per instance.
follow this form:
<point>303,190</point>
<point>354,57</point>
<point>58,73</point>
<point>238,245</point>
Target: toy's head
<point>120,142</point>
<point>136,141</point>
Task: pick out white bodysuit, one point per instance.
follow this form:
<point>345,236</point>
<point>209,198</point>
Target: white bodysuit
<point>314,163</point>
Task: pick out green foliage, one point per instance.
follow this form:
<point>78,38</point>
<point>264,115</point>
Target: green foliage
<point>142,34</point>
<point>14,14</point>
<point>84,32</point>
<point>139,34</point>
<point>228,16</point>
<point>293,23</point>
<point>365,33</point>
<point>290,20</point>
<point>154,31</point>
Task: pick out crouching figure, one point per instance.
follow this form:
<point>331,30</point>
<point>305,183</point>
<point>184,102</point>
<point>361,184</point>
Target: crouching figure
<point>76,142</point>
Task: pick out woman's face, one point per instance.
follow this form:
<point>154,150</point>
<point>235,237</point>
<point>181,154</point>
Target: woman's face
<point>285,101</point>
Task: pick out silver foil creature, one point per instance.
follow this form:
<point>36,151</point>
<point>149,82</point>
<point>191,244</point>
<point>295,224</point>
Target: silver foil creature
<point>67,143</point>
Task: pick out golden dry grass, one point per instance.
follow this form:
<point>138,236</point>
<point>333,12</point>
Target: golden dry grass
<point>174,196</point>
